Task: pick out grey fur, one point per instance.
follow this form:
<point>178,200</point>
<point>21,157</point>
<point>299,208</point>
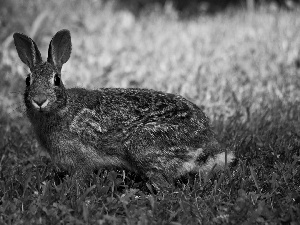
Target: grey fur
<point>160,135</point>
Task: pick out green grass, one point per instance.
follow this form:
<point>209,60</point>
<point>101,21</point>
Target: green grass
<point>242,68</point>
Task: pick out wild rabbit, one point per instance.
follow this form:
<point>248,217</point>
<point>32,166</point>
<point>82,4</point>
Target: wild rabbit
<point>159,135</point>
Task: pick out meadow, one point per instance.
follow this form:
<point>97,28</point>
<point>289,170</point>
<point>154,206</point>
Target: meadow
<point>242,68</point>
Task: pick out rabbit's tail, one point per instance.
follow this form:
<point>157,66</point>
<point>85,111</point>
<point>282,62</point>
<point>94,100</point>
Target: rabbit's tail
<point>210,156</point>
<point>219,161</point>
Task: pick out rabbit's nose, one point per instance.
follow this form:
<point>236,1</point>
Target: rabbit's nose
<point>40,100</point>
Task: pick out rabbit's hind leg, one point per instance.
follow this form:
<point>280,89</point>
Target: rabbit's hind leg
<point>160,163</point>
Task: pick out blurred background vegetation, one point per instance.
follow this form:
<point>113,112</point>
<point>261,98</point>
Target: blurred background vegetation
<point>244,49</point>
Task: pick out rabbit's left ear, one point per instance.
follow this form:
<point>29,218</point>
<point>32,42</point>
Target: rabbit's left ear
<point>60,49</point>
<point>27,50</point>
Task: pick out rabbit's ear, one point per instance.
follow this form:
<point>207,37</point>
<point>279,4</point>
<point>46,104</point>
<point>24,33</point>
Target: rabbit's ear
<point>27,50</point>
<point>60,49</point>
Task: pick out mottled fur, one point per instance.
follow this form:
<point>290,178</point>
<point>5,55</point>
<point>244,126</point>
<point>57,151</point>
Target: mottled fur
<point>160,135</point>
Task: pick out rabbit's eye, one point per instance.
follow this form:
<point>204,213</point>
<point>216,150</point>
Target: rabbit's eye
<point>27,80</point>
<point>56,80</point>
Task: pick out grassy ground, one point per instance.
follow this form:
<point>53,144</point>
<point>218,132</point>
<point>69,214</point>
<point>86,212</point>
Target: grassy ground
<point>242,68</point>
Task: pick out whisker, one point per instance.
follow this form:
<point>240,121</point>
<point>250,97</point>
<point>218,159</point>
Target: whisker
<point>15,108</point>
<point>20,108</point>
<point>16,113</point>
<point>16,93</point>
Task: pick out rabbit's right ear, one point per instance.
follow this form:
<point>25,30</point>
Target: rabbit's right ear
<point>27,50</point>
<point>60,49</point>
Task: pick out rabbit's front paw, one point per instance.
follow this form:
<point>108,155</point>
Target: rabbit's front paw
<point>158,181</point>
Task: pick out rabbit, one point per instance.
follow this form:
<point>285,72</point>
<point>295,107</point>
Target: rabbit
<point>160,135</point>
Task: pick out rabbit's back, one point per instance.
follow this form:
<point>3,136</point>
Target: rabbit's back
<point>128,110</point>
<point>135,106</point>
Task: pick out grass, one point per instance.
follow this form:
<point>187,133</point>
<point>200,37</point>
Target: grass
<point>241,68</point>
